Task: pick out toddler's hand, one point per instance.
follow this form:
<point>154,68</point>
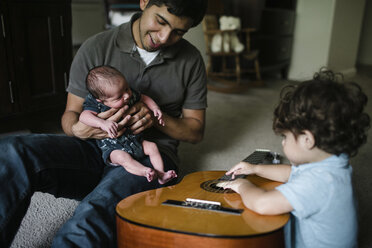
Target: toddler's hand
<point>234,185</point>
<point>241,168</point>
<point>110,127</point>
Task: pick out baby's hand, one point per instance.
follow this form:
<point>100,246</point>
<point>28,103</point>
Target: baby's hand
<point>159,115</point>
<point>110,127</point>
<point>241,168</point>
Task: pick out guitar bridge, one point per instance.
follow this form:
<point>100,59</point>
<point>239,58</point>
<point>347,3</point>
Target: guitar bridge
<point>203,205</point>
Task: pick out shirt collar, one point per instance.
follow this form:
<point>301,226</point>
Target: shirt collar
<point>341,160</point>
<point>125,40</point>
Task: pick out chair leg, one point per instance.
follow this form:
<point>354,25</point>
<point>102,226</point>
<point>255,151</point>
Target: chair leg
<point>209,66</point>
<point>238,69</point>
<point>224,64</point>
<point>257,69</point>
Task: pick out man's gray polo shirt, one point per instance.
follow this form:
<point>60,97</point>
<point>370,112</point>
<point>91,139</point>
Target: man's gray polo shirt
<point>175,79</point>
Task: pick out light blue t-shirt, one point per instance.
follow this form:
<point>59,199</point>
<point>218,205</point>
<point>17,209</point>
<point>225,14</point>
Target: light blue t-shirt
<point>321,195</point>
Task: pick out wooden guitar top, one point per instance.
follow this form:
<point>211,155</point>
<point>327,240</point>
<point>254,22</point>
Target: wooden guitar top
<point>146,209</point>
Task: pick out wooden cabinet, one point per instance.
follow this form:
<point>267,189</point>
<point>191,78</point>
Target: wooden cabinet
<point>274,21</point>
<point>36,53</point>
<point>274,39</point>
<point>7,103</point>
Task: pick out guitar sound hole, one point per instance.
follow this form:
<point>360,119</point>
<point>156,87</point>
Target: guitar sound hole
<point>211,186</point>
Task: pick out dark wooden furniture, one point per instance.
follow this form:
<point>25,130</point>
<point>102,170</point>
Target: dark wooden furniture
<point>119,6</point>
<point>35,57</point>
<point>274,21</point>
<point>275,39</point>
<point>230,74</point>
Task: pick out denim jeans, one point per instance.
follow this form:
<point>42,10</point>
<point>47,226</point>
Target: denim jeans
<point>65,167</point>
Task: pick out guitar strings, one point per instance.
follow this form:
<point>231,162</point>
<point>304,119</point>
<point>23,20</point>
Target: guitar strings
<point>210,186</point>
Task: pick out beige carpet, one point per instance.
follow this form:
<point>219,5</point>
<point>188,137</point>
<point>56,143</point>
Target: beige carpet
<point>236,125</point>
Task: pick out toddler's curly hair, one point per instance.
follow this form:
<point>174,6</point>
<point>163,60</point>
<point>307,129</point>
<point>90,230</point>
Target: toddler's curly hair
<point>332,111</point>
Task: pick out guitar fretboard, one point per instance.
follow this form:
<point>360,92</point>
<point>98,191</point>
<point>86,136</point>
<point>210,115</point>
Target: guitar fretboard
<point>257,157</point>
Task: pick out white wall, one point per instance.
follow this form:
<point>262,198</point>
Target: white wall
<point>196,37</point>
<point>88,18</point>
<point>326,34</point>
<point>365,45</point>
<point>347,25</point>
<point>312,37</point>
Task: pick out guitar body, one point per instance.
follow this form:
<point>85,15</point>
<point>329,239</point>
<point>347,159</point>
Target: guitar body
<point>143,221</point>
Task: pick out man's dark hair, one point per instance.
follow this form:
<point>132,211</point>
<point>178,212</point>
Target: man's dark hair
<point>95,77</point>
<point>194,9</point>
<point>332,111</point>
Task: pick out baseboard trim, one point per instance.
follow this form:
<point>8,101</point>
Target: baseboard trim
<point>349,72</point>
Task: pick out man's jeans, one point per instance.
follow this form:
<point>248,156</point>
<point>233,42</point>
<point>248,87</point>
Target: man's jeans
<point>65,167</point>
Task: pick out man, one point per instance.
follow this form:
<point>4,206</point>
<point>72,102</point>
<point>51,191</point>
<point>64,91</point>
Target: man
<point>150,52</point>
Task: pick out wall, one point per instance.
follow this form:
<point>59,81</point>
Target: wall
<point>326,34</point>
<point>365,47</point>
<point>345,35</point>
<point>88,18</point>
<point>196,37</point>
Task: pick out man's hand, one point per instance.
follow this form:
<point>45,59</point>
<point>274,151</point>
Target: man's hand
<point>83,131</point>
<point>141,119</point>
<point>187,128</point>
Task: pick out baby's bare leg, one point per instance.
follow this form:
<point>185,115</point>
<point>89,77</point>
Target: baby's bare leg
<point>151,149</point>
<point>131,165</point>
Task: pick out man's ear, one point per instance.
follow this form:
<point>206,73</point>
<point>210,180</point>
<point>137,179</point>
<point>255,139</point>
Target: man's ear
<point>143,4</point>
<point>308,139</point>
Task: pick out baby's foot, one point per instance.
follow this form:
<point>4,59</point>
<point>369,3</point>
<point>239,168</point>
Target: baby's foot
<point>150,174</point>
<point>164,177</point>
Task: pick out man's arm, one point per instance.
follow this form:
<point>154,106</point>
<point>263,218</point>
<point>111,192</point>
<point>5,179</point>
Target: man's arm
<point>74,106</point>
<point>90,118</point>
<point>189,128</point>
<point>73,127</point>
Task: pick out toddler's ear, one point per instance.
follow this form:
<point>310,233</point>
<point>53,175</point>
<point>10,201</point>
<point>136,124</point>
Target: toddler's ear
<point>98,100</point>
<point>308,139</point>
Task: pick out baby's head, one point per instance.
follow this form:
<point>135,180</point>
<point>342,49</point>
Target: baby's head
<point>101,79</point>
<point>332,111</point>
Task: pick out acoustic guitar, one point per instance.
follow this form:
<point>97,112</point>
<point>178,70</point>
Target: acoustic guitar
<point>196,213</point>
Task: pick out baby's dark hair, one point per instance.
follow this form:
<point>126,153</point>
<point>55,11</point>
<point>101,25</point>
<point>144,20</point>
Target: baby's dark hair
<point>332,111</point>
<point>95,77</point>
<point>194,9</point>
